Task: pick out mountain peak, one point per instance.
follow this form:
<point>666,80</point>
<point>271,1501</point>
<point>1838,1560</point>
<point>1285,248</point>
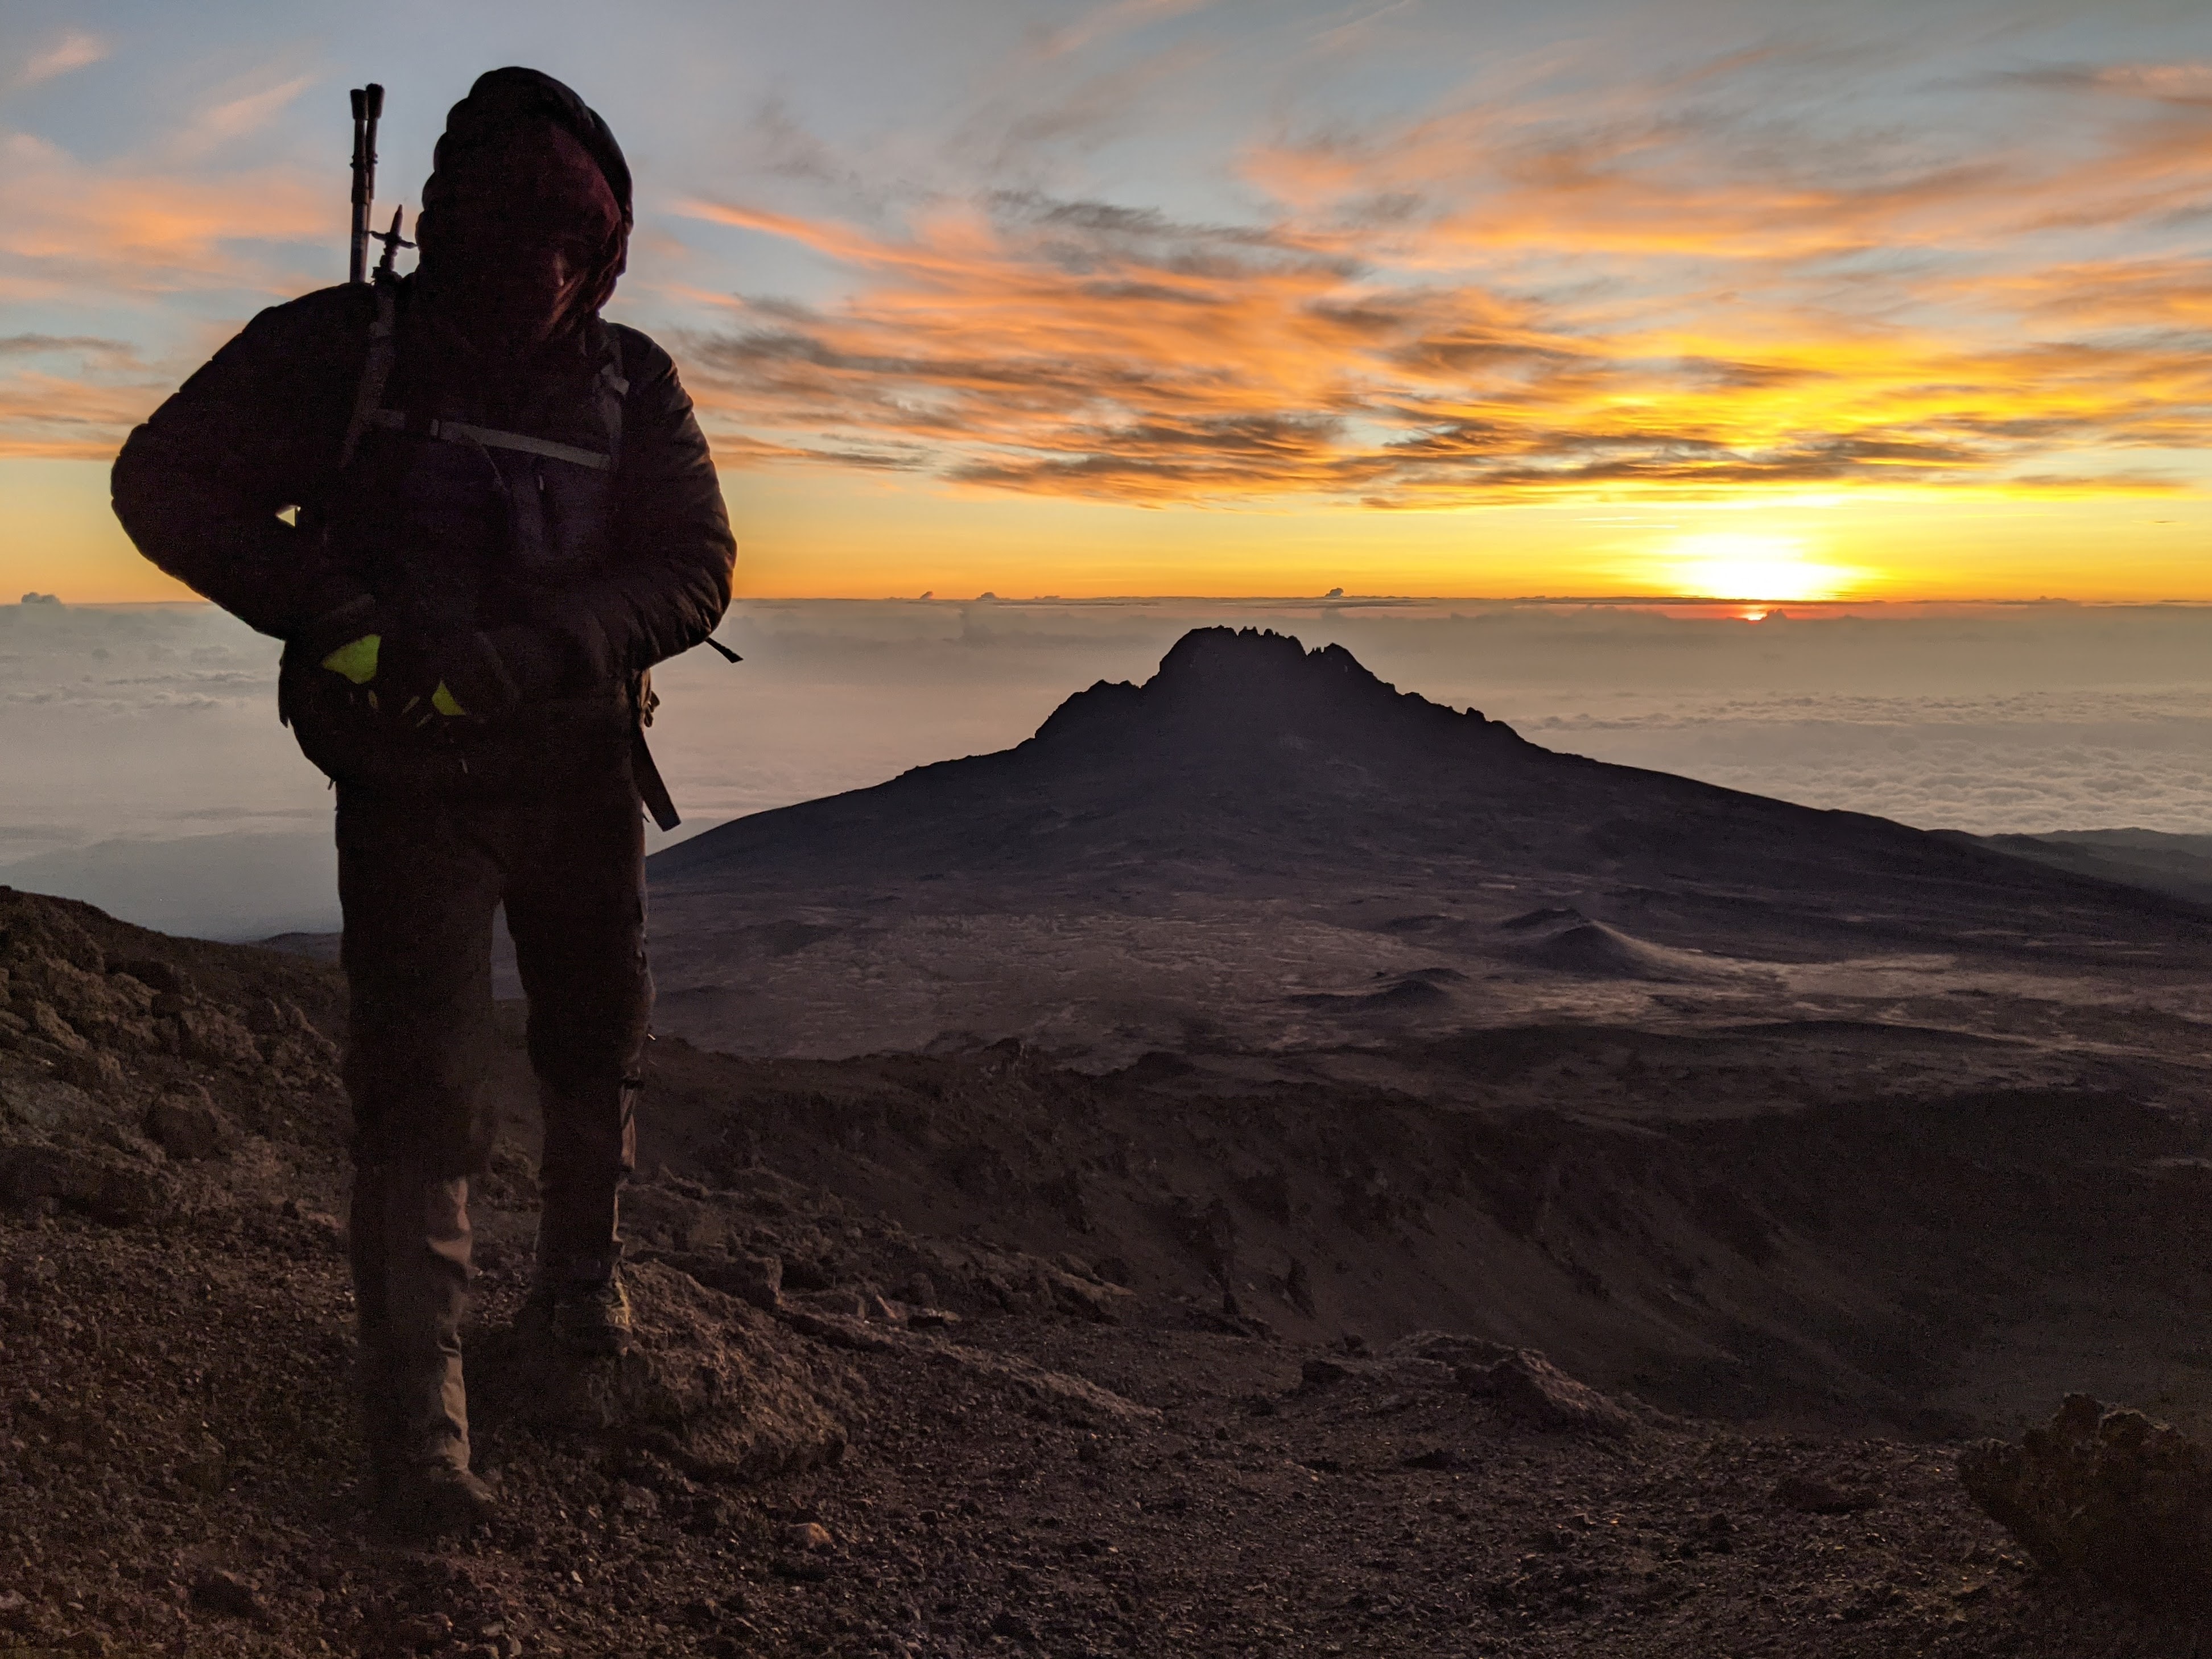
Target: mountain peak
<point>1249,687</point>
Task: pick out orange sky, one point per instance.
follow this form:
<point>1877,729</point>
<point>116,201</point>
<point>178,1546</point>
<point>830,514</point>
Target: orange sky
<point>1902,315</point>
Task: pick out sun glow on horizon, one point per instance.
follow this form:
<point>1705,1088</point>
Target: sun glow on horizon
<point>1749,565</point>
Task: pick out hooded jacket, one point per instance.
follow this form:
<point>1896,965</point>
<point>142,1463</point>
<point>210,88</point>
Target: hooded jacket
<point>591,575</point>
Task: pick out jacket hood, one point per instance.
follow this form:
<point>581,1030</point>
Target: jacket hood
<point>502,105</point>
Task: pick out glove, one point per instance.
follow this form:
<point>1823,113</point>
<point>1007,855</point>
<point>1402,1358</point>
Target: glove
<point>412,680</point>
<point>487,676</point>
<point>357,659</point>
<point>393,675</point>
<point>343,640</point>
<point>406,670</point>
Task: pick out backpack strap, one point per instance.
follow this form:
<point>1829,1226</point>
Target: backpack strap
<point>613,389</point>
<point>609,390</point>
<point>652,788</point>
<point>460,432</point>
<point>375,371</point>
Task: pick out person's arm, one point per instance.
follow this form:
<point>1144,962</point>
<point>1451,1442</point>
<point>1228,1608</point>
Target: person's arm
<point>668,583</point>
<point>199,487</point>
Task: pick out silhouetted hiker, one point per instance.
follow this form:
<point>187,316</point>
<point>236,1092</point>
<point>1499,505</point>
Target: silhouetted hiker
<point>507,515</point>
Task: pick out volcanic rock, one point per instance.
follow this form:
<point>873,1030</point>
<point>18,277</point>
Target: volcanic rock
<point>709,1381</point>
<point>224,1592</point>
<point>755,1278</point>
<point>2120,1500</point>
<point>1820,1201</point>
<point>42,1177</point>
<point>96,1070</point>
<point>1157,1486</point>
<point>1527,1384</point>
<point>1811,1496</point>
<point>49,1105</point>
<point>189,1125</point>
<point>1533,1386</point>
<point>1595,951</point>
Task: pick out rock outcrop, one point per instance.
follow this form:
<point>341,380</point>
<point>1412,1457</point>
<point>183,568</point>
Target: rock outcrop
<point>1520,1382</point>
<point>710,1382</point>
<point>125,1056</point>
<point>2112,1498</point>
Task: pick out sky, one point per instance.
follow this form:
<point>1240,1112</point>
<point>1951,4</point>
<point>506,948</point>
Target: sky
<point>142,766</point>
<point>1479,298</point>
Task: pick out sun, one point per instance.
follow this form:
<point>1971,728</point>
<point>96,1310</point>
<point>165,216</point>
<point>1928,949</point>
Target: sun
<point>1733,564</point>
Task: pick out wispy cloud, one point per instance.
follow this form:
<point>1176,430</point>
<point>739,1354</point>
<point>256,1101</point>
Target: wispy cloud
<point>1104,21</point>
<point>2185,82</point>
<point>1657,282</point>
<point>238,116</point>
<point>75,50</point>
<point>49,417</point>
<point>42,345</point>
<point>130,235</point>
<point>136,226</point>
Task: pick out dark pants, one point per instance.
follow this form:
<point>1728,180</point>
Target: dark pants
<point>419,877</point>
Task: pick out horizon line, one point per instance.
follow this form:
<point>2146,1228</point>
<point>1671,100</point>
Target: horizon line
<point>1320,601</point>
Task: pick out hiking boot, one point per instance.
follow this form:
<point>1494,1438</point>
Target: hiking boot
<point>586,1315</point>
<point>434,1500</point>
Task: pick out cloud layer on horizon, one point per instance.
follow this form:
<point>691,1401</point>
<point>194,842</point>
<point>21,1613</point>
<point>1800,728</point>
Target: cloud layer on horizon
<point>160,720</point>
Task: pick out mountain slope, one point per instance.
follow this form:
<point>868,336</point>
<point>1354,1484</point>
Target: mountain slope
<point>1247,765</point>
<point>1258,825</point>
<point>2178,866</point>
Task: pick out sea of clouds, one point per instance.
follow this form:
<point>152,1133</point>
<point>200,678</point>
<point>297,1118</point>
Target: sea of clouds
<point>141,766</point>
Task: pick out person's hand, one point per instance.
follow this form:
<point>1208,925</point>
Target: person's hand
<point>487,675</point>
<point>345,640</point>
<point>355,661</point>
<point>472,683</point>
<point>394,675</point>
<point>415,681</point>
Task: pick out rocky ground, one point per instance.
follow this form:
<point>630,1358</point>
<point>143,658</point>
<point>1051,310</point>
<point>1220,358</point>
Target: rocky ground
<point>849,1429</point>
<point>182,1478</point>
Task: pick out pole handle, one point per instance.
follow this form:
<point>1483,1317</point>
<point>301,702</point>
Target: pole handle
<point>367,109</point>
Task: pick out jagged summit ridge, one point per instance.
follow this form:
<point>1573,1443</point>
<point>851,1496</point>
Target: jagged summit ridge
<point>1253,689</point>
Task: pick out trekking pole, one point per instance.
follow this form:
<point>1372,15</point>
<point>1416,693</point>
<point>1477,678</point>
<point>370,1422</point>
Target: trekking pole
<point>367,107</point>
<point>393,242</point>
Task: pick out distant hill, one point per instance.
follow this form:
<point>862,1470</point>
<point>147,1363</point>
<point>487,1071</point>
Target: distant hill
<point>242,885</point>
<point>1248,766</point>
<point>2178,865</point>
<point>1258,826</point>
